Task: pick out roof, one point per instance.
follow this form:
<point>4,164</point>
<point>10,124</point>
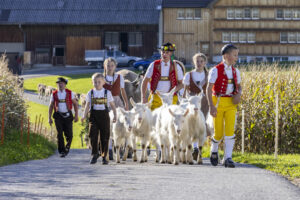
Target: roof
<point>186,3</point>
<point>79,11</point>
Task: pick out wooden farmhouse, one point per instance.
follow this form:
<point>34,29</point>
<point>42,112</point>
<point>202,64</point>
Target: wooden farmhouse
<point>263,30</point>
<point>57,32</point>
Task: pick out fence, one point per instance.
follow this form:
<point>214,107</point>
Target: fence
<point>35,128</point>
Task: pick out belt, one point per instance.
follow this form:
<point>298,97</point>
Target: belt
<point>164,78</point>
<point>230,81</point>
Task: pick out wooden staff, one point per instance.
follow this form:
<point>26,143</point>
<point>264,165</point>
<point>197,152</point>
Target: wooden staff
<point>2,127</point>
<point>38,127</point>
<point>21,139</point>
<point>28,131</point>
<point>41,126</point>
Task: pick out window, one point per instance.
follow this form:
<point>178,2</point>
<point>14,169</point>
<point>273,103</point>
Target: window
<point>283,37</point>
<point>189,13</point>
<point>288,14</point>
<point>239,14</point>
<point>259,59</point>
<point>197,13</point>
<point>230,13</point>
<point>180,14</point>
<point>284,58</point>
<point>269,59</point>
<point>251,37</point>
<point>255,13</point>
<point>247,13</point>
<point>292,37</point>
<point>279,14</point>
<point>135,39</point>
<point>205,48</point>
<point>118,54</point>
<point>298,37</point>
<point>226,37</point>
<point>243,59</point>
<point>243,37</point>
<point>110,54</point>
<point>111,38</point>
<point>297,14</point>
<point>234,37</point>
<point>276,59</point>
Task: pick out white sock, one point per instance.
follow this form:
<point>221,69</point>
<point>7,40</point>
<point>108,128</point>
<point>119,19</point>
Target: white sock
<point>195,144</point>
<point>110,144</point>
<point>214,145</point>
<point>229,144</point>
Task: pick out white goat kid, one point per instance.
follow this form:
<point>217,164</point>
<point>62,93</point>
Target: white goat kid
<point>173,126</point>
<point>121,131</point>
<point>142,126</point>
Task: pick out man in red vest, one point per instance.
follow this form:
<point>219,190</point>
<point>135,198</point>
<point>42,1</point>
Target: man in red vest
<point>62,101</point>
<point>163,75</point>
<point>223,94</point>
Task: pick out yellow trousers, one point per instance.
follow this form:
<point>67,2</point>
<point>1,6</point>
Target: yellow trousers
<point>225,118</point>
<point>156,103</point>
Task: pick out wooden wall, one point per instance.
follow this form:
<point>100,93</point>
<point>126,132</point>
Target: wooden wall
<point>10,34</point>
<point>188,35</point>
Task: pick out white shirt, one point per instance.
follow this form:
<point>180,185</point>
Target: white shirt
<point>198,78</point>
<point>164,86</point>
<point>213,75</point>
<point>99,94</point>
<point>110,79</point>
<point>62,107</point>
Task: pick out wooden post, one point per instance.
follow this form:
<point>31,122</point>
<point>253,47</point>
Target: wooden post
<point>243,131</point>
<point>2,127</point>
<point>38,127</point>
<point>21,139</point>
<point>35,124</point>
<point>276,126</point>
<point>28,131</point>
<point>41,126</point>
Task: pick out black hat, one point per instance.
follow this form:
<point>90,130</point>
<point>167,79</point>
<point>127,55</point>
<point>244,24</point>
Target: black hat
<point>226,48</point>
<point>168,47</point>
<point>62,79</point>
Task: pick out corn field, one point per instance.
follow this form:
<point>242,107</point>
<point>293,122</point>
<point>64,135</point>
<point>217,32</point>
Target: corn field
<point>11,95</point>
<point>261,84</point>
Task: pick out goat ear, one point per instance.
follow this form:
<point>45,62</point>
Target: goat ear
<point>170,111</point>
<point>186,112</point>
<point>132,102</point>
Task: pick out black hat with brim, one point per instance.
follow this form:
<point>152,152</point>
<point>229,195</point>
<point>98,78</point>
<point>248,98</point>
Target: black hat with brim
<point>226,48</point>
<point>61,79</point>
<point>167,47</point>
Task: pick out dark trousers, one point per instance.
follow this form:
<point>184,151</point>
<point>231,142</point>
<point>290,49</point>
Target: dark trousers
<point>63,126</point>
<point>99,122</point>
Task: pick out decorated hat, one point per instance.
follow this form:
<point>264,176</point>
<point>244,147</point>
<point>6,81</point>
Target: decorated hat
<point>226,48</point>
<point>62,79</point>
<point>168,47</point>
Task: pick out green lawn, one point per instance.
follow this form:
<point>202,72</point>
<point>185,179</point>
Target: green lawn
<point>35,109</point>
<point>12,151</point>
<point>79,83</point>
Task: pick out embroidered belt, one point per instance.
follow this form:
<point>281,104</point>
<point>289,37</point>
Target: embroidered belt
<point>164,78</point>
<point>230,81</point>
<point>99,101</point>
<point>61,101</point>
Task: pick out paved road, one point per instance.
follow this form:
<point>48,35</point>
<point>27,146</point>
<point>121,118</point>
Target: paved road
<point>74,178</point>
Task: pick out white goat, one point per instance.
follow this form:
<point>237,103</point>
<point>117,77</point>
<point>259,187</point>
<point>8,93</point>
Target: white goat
<point>121,130</point>
<point>142,126</point>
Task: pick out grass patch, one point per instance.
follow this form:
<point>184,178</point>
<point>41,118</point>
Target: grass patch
<point>13,152</point>
<point>35,109</point>
<point>79,83</point>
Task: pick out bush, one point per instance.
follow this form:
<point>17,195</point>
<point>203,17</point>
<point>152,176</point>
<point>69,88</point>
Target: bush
<point>10,95</point>
<point>260,85</point>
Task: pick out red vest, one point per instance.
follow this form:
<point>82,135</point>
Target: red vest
<point>115,87</point>
<point>221,83</point>
<point>157,74</point>
<point>68,99</point>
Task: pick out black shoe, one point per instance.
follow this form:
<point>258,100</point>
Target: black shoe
<point>104,161</point>
<point>110,155</point>
<point>195,153</point>
<point>129,153</point>
<point>94,159</point>
<point>229,163</point>
<point>214,158</point>
<point>63,154</point>
<point>67,151</point>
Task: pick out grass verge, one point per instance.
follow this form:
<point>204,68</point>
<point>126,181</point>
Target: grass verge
<point>12,151</point>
